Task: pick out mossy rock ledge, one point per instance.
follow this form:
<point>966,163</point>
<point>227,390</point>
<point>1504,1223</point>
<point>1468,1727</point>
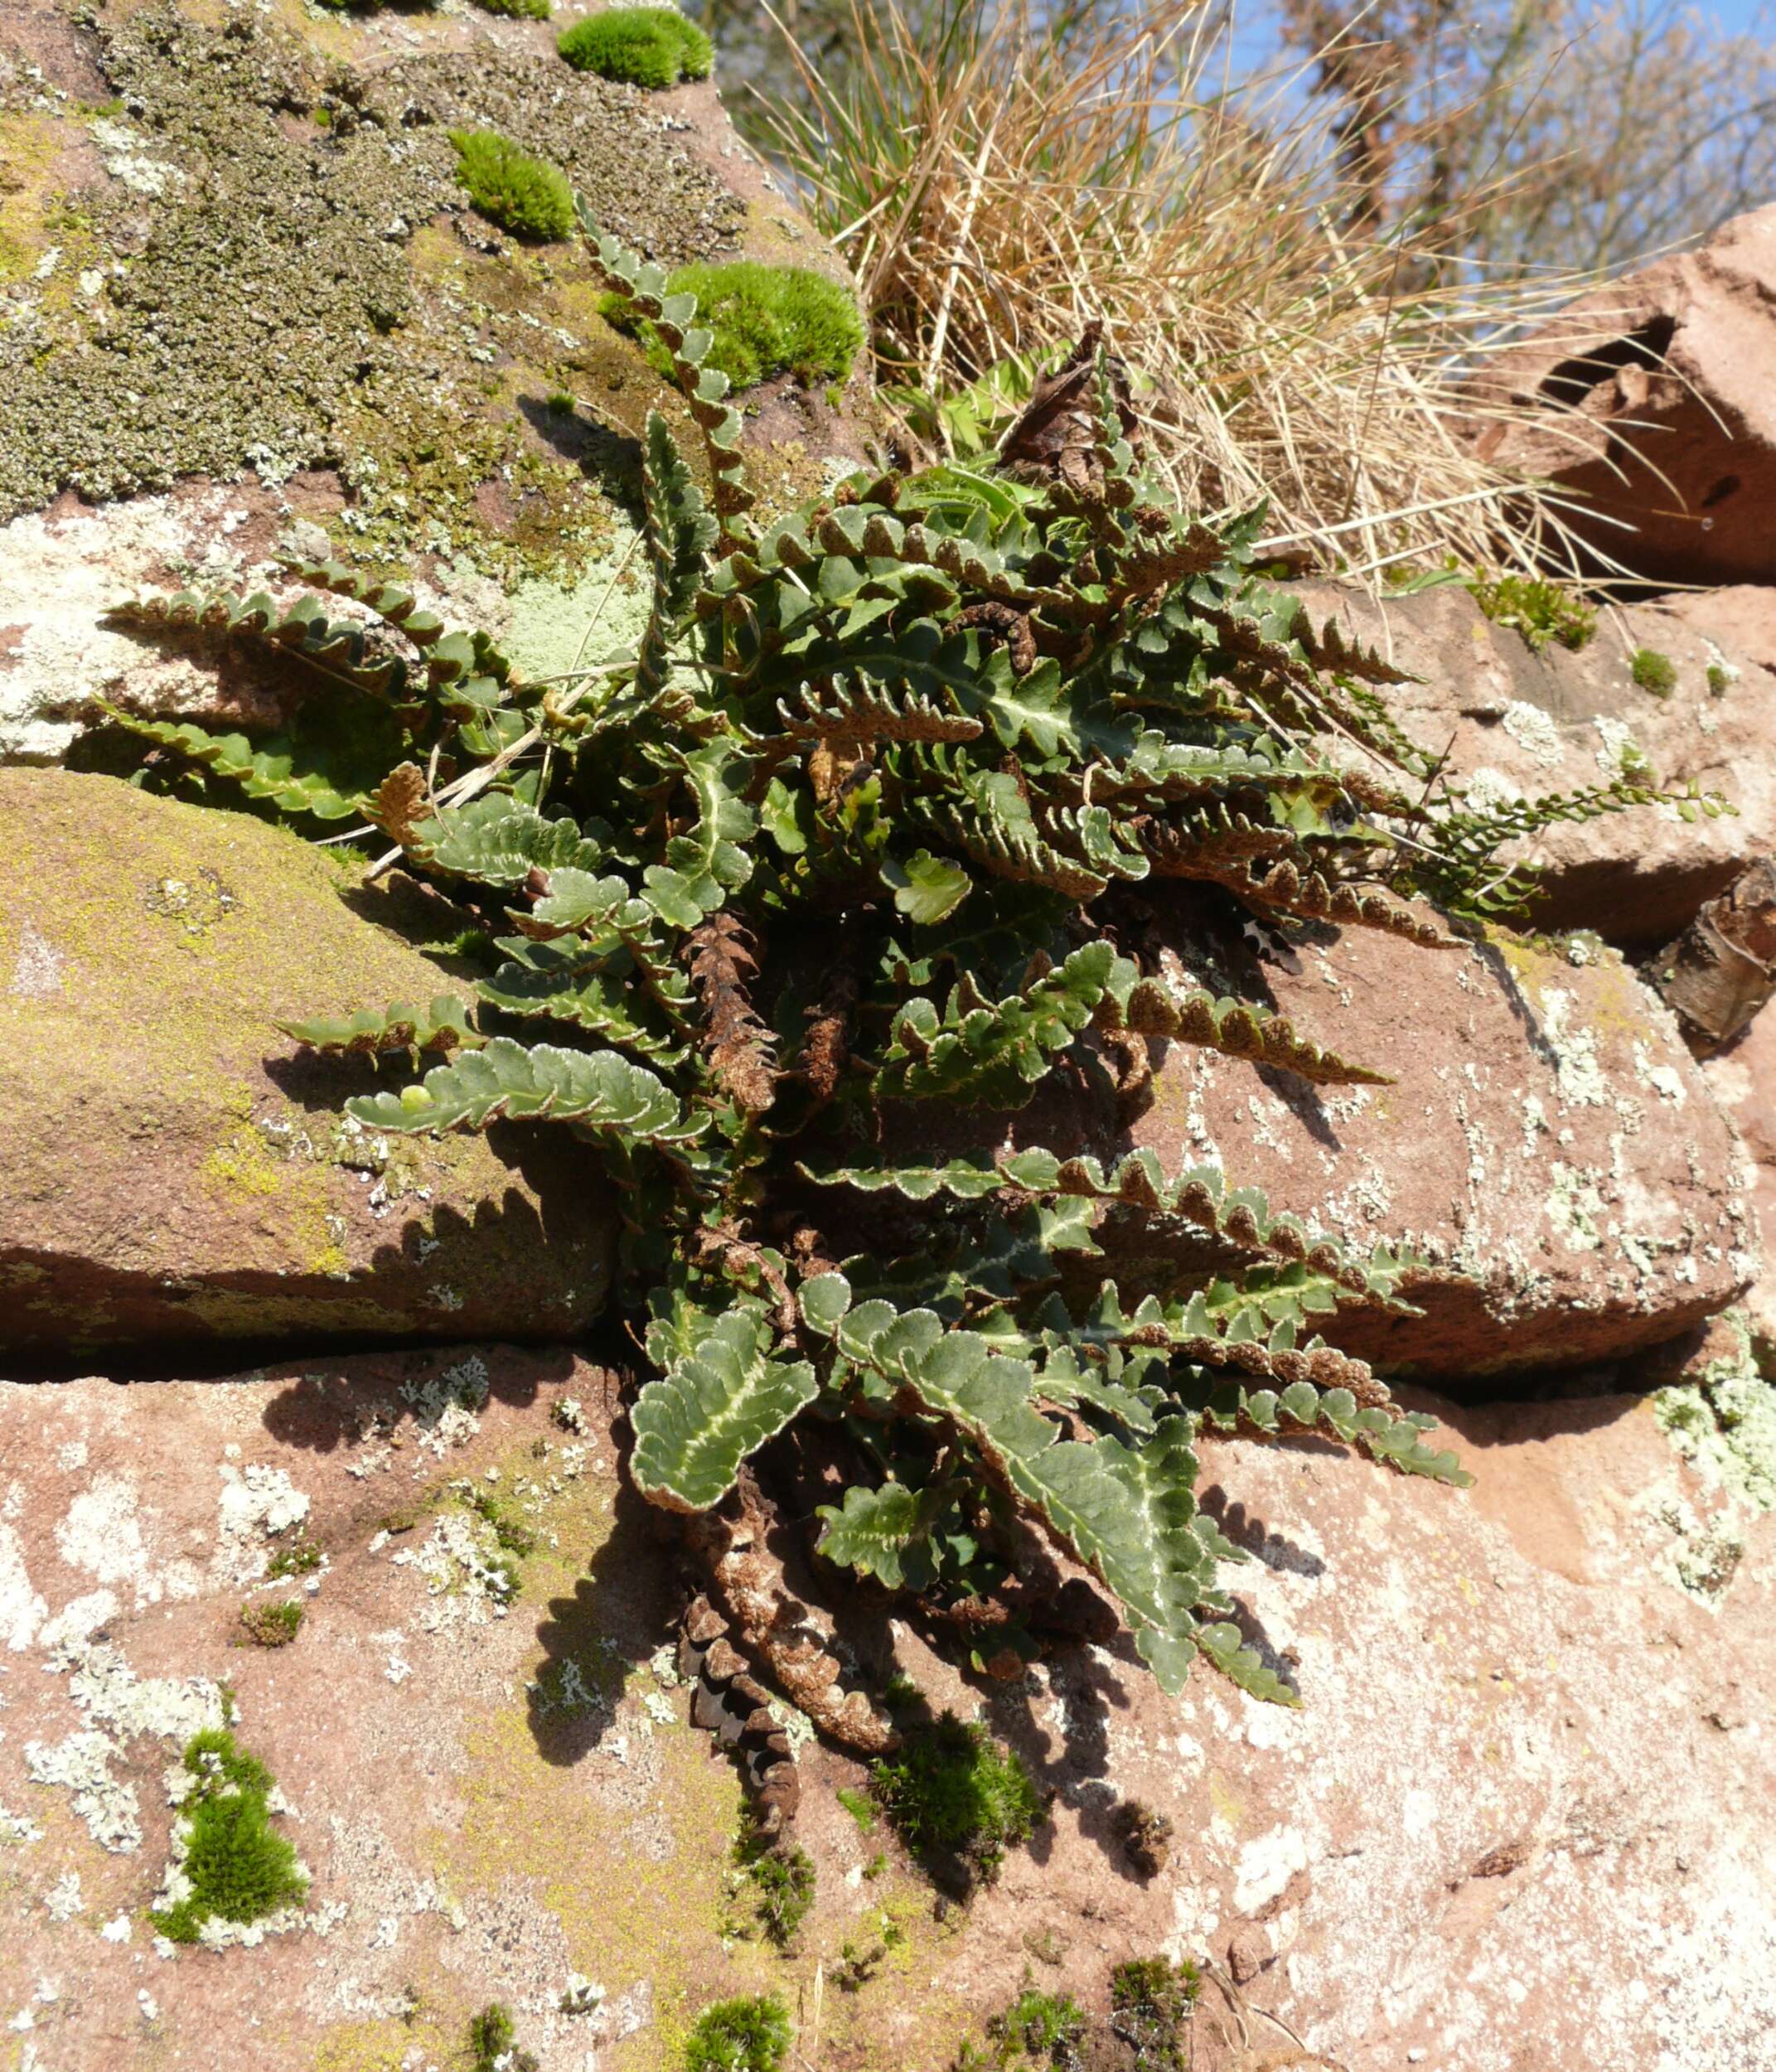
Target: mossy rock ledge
<point>175,1174</point>
<point>248,308</point>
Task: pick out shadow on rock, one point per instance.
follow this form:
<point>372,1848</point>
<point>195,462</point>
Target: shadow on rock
<point>611,458</point>
<point>346,1403</point>
<point>1526,1406</point>
<point>618,1617</point>
<point>1248,1530</point>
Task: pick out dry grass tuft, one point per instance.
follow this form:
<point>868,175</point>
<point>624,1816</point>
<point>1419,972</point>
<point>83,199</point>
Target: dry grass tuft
<point>996,186</point>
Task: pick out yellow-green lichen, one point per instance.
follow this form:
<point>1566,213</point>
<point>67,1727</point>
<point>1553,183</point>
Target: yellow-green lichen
<point>255,1164</point>
<point>31,145</point>
<point>378,2046</point>
<point>242,1165</point>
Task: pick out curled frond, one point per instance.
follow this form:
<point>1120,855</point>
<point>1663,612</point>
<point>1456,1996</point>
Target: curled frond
<point>441,1025</point>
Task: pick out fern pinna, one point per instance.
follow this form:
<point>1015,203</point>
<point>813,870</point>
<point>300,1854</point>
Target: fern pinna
<point>847,841</point>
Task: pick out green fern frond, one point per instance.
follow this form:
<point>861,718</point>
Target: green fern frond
<point>496,839</point>
<point>874,829</point>
<point>1125,1513</point>
<point>392,603</point>
<point>1149,1007</point>
<point>680,532</point>
<point>335,647</point>
<point>443,1024</point>
<point>1200,1196</point>
<point>991,1053</point>
<point>599,1091</point>
<point>715,1401</point>
<point>572,981</point>
<point>1384,1435</point>
<point>325,765</point>
<point>645,286</point>
<point>883,1532</point>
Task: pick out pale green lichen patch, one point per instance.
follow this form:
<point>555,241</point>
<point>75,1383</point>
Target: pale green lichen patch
<point>117,1707</point>
<point>1575,1207</point>
<point>386,2046</point>
<point>1703,1554</point>
<point>1724,1424</point>
<point>556,627</point>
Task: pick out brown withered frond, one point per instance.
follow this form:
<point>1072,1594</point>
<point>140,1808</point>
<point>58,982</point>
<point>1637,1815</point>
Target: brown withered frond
<point>738,1045</point>
<point>827,1048</point>
<point>400,803</point>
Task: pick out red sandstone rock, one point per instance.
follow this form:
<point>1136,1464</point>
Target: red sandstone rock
<point>1516,723</point>
<point>1547,1145</point>
<point>1658,412</point>
<point>1548,1141</point>
<point>1743,1080</point>
<point>175,1172</point>
<point>1523,1817</point>
<point>1742,616</point>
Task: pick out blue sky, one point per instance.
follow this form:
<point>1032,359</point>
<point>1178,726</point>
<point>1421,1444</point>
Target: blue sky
<point>1253,41</point>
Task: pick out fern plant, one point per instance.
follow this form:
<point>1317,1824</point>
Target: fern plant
<point>855,837</point>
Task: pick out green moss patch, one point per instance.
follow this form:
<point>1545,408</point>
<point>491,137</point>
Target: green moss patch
<point>956,1796</point>
<point>302,1557</point>
<point>272,1624</point>
<point>493,2043</point>
<point>750,2035</point>
<point>1151,2001</point>
<point>1539,610</point>
<point>860,1807</point>
<point>642,46</point>
<point>1652,672</point>
<point>781,1876</point>
<point>1148,2030</point>
<point>766,320</point>
<point>522,10</point>
<point>1041,2029</point>
<point>236,1867</point>
<point>526,195</point>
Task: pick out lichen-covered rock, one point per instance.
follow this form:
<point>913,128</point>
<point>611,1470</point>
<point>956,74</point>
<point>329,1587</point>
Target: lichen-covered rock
<point>64,568</point>
<point>248,307</point>
<point>1548,1142</point>
<point>1516,723</point>
<point>1522,1817</point>
<point>173,1174</point>
<point>266,268</point>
